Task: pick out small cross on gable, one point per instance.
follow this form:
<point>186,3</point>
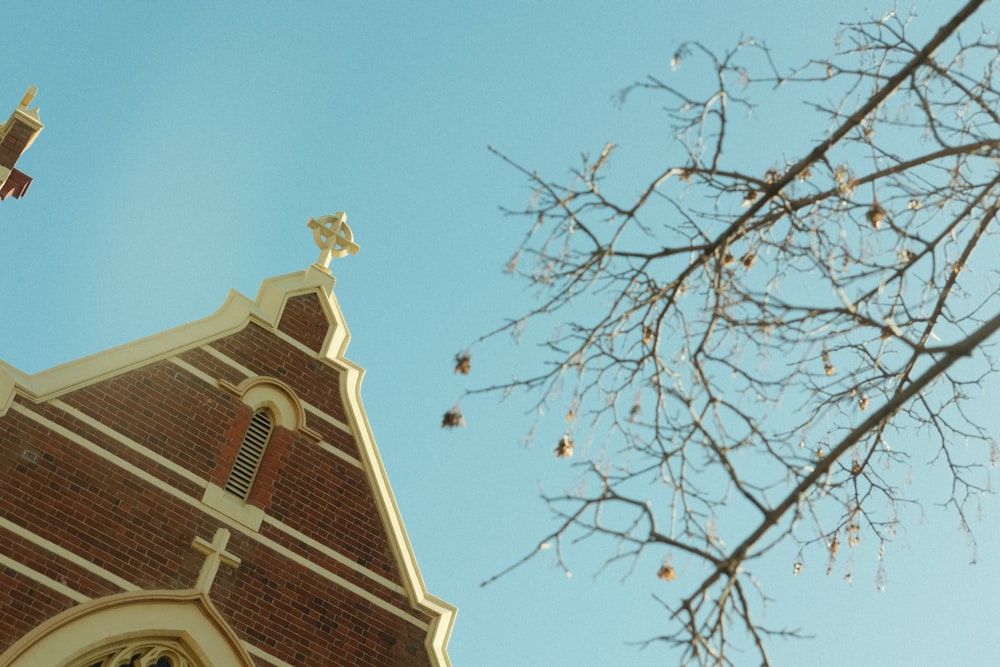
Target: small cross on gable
<point>215,555</point>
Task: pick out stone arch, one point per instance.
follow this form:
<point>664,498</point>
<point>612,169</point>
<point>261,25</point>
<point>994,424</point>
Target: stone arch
<point>268,392</point>
<point>146,652</point>
<point>180,624</point>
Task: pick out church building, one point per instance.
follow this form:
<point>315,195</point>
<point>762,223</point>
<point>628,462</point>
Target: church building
<point>210,496</point>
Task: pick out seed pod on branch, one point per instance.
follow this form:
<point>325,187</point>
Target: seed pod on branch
<point>646,296</point>
<point>875,214</point>
<point>453,418</point>
<point>564,449</point>
<point>463,363</point>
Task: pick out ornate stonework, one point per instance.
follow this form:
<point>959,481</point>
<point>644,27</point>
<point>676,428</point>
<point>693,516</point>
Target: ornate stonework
<point>333,237</point>
<point>141,654</point>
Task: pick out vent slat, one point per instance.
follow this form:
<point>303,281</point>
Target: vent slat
<point>251,454</point>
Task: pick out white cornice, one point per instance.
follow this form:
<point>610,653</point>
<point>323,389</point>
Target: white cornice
<point>232,316</point>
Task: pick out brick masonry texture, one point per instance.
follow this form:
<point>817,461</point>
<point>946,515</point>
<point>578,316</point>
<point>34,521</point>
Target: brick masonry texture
<point>14,142</point>
<point>314,381</point>
<point>142,532</point>
<point>304,320</point>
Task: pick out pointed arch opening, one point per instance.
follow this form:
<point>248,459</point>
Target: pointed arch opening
<point>137,629</point>
<point>142,653</point>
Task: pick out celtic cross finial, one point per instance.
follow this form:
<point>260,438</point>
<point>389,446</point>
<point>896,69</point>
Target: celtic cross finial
<point>333,237</point>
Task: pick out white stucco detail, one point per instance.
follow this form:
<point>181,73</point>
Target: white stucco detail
<point>234,508</point>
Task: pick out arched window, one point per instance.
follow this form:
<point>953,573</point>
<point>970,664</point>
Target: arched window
<point>274,404</point>
<point>160,654</point>
<point>134,629</point>
<point>251,453</point>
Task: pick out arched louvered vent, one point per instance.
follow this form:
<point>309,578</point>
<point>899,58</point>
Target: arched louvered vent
<point>251,452</point>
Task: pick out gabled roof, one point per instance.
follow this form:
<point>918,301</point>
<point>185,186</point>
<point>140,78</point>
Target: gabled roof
<point>234,315</point>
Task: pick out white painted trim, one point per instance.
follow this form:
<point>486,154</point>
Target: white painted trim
<point>235,314</point>
<point>42,579</point>
<point>437,639</point>
<point>330,449</point>
<point>79,597</point>
<point>187,617</point>
<point>196,504</point>
<point>236,509</point>
<point>30,118</point>
<point>229,361</point>
<point>250,517</point>
<point>351,376</point>
<point>325,446</point>
<point>327,551</point>
<point>253,650</point>
<point>100,451</point>
<point>264,392</point>
<point>343,583</point>
<point>204,377</point>
<point>285,338</point>
<point>247,373</point>
<point>160,460</point>
<point>65,554</point>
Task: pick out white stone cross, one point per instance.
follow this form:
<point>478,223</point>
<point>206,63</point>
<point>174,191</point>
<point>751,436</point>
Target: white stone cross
<point>333,237</point>
<point>216,554</point>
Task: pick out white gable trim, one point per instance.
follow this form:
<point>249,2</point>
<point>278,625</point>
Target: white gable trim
<point>236,313</point>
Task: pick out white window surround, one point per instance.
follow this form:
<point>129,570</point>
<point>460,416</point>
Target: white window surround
<point>236,509</point>
<point>267,392</point>
<point>286,411</point>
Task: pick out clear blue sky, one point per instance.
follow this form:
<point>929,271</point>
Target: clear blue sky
<point>187,144</point>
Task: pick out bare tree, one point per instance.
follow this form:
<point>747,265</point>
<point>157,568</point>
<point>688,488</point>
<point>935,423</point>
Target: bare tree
<point>748,352</point>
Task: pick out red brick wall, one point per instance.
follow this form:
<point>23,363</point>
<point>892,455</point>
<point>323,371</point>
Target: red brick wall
<point>13,144</point>
<point>313,381</point>
<point>65,493</point>
<point>303,319</point>
<point>24,603</point>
